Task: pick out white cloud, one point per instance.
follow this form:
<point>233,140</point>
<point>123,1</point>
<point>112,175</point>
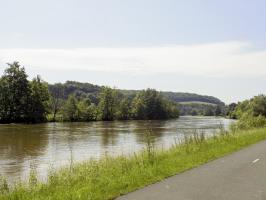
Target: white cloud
<point>215,60</point>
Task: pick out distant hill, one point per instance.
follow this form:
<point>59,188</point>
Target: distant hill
<point>196,102</point>
<point>90,91</point>
<point>181,97</point>
<point>80,90</point>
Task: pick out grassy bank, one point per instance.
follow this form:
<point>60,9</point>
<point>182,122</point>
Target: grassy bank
<point>111,177</point>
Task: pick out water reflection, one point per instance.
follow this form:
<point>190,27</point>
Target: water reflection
<point>18,145</point>
<point>155,128</point>
<point>54,144</point>
<point>110,132</point>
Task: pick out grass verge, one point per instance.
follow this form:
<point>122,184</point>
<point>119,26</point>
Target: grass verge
<point>111,177</point>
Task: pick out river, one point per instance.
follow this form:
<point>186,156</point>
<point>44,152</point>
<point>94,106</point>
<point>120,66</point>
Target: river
<point>50,145</point>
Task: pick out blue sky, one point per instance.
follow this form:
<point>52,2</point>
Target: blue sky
<point>203,46</point>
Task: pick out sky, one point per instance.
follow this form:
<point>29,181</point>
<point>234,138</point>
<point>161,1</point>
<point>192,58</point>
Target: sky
<point>208,47</point>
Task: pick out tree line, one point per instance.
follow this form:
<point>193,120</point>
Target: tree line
<point>111,105</point>
<point>201,109</point>
<point>250,113</point>
<point>24,101</point>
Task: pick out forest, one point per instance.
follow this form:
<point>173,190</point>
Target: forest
<point>24,101</point>
<point>91,91</point>
<point>187,103</point>
<point>37,101</point>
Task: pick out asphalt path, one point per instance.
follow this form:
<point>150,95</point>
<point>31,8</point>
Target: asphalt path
<point>238,176</point>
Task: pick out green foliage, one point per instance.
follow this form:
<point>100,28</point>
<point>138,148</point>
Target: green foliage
<point>124,110</point>
<point>248,121</point>
<point>87,90</point>
<point>209,111</point>
<point>250,113</point>
<point>199,108</point>
<point>15,91</point>
<point>241,108</point>
<point>108,103</point>
<point>57,94</point>
<point>149,104</point>
<point>189,97</point>
<point>33,180</point>
<point>21,100</point>
<point>86,110</point>
<point>29,101</point>
<point>255,107</point>
<point>39,98</point>
<point>230,111</point>
<point>4,188</point>
<point>79,90</point>
<point>113,105</point>
<point>35,101</point>
<point>70,109</point>
<point>218,111</point>
<point>170,109</point>
<point>258,106</point>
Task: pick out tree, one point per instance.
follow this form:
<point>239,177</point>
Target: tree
<point>241,108</point>
<point>138,107</point>
<point>254,107</point>
<point>209,111</point>
<point>15,94</point>
<point>171,109</point>
<point>70,109</point>
<point>123,112</point>
<point>39,98</point>
<point>218,110</point>
<point>231,111</point>
<point>149,104</point>
<point>194,112</point>
<point>251,113</point>
<point>3,101</point>
<point>258,105</point>
<point>86,110</point>
<point>108,103</point>
<point>56,99</point>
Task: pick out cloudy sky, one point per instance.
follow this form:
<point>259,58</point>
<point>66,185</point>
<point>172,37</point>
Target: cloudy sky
<point>208,47</point>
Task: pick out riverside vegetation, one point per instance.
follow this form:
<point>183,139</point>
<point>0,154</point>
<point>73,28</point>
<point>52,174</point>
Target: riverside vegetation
<point>111,177</point>
<point>23,101</point>
<point>250,113</point>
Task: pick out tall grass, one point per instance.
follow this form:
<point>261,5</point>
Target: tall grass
<point>248,121</point>
<point>113,176</point>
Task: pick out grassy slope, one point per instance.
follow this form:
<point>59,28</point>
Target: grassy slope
<point>111,177</point>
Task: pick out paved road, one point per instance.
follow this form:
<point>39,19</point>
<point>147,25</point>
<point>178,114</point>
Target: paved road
<point>239,176</point>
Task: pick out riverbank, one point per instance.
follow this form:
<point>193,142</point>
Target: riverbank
<point>111,177</point>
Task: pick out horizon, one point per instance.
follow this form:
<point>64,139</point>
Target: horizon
<point>208,48</point>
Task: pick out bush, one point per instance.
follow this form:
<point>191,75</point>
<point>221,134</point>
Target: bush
<point>248,121</point>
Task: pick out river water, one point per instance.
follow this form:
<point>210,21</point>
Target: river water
<point>48,146</point>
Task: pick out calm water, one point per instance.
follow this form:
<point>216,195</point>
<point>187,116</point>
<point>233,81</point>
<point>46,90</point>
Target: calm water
<point>47,146</point>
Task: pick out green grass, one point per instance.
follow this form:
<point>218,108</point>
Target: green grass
<point>111,177</point>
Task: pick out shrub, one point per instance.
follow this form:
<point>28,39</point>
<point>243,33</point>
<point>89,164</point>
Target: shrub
<point>248,121</point>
